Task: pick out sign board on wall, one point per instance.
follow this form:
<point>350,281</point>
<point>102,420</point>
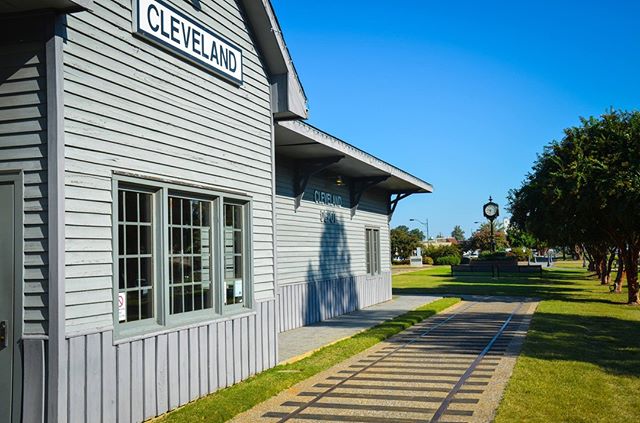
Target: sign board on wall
<point>171,29</point>
<point>122,306</point>
<point>327,198</point>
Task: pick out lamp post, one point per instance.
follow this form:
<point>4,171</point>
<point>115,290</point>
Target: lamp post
<point>425,224</point>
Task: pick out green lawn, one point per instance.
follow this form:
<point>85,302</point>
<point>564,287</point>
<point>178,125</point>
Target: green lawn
<point>581,358</point>
<point>229,402</point>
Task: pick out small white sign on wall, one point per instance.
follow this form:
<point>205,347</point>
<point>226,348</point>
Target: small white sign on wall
<point>237,288</point>
<point>122,306</point>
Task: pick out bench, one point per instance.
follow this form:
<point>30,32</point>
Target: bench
<point>496,268</point>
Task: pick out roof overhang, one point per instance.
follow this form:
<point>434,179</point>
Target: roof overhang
<point>297,140</point>
<point>22,6</point>
<point>287,95</point>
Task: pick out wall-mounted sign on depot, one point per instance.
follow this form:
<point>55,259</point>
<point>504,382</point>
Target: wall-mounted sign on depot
<point>122,306</point>
<point>328,216</point>
<point>171,29</point>
<point>326,198</point>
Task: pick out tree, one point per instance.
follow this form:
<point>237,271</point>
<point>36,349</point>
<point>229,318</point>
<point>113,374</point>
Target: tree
<point>585,190</point>
<point>417,233</point>
<point>404,242</point>
<point>457,233</point>
<point>519,238</point>
<point>481,239</point>
<point>436,252</point>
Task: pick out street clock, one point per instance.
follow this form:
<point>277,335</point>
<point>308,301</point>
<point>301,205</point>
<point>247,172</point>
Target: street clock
<point>491,210</point>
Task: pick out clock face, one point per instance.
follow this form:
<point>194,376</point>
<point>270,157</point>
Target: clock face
<point>491,210</point>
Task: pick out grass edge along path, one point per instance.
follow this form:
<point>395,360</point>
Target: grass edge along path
<point>226,403</point>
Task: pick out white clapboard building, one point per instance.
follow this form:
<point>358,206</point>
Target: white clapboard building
<point>165,211</point>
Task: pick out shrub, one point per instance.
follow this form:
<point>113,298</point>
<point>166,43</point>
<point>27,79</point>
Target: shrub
<point>441,251</point>
<point>397,262</point>
<point>497,256</point>
<point>521,253</point>
<point>427,260</point>
<point>448,260</point>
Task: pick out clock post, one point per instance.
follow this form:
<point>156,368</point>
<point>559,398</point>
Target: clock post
<point>491,212</point>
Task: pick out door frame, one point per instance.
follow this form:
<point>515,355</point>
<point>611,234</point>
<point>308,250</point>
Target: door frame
<point>16,177</point>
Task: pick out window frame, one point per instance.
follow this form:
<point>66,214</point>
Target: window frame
<point>162,319</point>
<point>194,314</point>
<point>372,254</point>
<point>149,323</point>
<point>247,258</point>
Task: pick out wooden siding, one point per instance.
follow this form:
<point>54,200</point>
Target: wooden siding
<point>322,266</point>
<point>311,251</point>
<point>34,378</point>
<point>137,380</point>
<point>300,304</point>
<point>23,146</point>
<point>131,106</point>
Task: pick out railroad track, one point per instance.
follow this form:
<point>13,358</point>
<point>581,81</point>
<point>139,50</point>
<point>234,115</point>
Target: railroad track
<point>445,369</point>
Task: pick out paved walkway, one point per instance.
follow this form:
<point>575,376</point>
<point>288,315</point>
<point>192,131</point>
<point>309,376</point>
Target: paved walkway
<point>295,344</point>
<point>452,367</point>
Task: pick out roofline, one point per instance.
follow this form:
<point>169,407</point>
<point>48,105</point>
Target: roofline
<point>73,6</point>
<point>288,98</point>
<point>283,46</point>
<point>324,138</point>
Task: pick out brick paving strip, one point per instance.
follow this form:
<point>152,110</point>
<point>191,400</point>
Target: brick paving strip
<point>452,367</point>
<point>296,344</point>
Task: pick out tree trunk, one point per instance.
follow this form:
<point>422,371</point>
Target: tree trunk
<point>631,264</point>
<point>620,274</point>
<point>603,271</point>
<point>590,260</point>
<point>608,264</point>
<point>612,258</point>
<point>598,265</point>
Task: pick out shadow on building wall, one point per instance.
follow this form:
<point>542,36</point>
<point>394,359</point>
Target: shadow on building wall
<point>331,289</point>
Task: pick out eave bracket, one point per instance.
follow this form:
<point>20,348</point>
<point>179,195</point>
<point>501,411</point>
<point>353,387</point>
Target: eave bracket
<point>305,169</point>
<point>393,201</point>
<point>359,186</point>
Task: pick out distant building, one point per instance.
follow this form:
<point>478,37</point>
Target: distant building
<point>441,241</point>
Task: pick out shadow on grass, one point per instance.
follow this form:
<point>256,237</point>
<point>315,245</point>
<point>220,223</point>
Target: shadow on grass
<point>528,291</point>
<point>608,342</point>
<point>572,285</point>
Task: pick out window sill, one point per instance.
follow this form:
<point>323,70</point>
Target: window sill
<point>122,336</point>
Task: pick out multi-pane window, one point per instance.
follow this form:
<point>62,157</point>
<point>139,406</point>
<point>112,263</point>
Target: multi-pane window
<point>233,253</point>
<point>372,249</point>
<point>180,255</point>
<point>135,255</point>
<point>190,236</point>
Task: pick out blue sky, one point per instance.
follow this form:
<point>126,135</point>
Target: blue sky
<point>461,94</point>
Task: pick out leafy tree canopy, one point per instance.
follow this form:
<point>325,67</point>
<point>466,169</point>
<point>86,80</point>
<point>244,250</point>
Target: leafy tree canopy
<point>481,239</point>
<point>457,233</point>
<point>520,238</point>
<point>404,241</point>
<point>417,233</point>
<point>585,190</point>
